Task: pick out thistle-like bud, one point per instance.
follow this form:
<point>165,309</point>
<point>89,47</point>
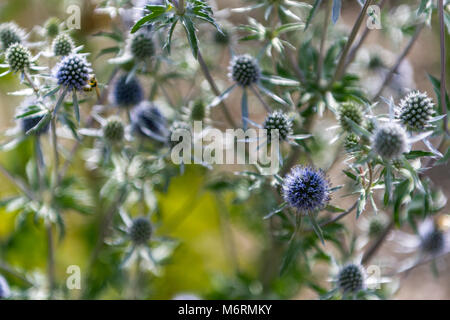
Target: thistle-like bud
<point>127,93</point>
<point>198,111</point>
<point>142,46</point>
<point>351,279</point>
<point>222,38</point>
<point>433,242</point>
<point>18,57</point>
<point>244,70</point>
<point>52,27</point>
<point>30,122</point>
<point>390,141</point>
<point>376,227</point>
<point>352,111</point>
<point>415,111</point>
<point>306,189</point>
<point>351,142</point>
<point>10,33</point>
<point>140,231</point>
<point>63,45</point>
<point>113,129</point>
<point>73,72</point>
<point>278,121</point>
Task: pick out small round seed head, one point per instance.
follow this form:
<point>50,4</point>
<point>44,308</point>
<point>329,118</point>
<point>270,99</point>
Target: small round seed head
<point>370,125</point>
<point>433,242</point>
<point>350,111</point>
<point>10,33</point>
<point>306,189</point>
<point>198,111</point>
<point>390,141</point>
<point>351,279</point>
<point>73,72</point>
<point>127,93</point>
<point>142,46</point>
<point>30,122</point>
<point>376,227</point>
<point>351,142</point>
<point>62,45</point>
<point>148,121</point>
<point>4,288</point>
<point>18,57</point>
<point>113,129</point>
<point>52,27</point>
<point>415,111</point>
<point>244,70</point>
<point>278,121</point>
<point>140,230</point>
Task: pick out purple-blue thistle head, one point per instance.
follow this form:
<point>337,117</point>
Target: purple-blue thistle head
<point>306,189</point>
<point>148,121</point>
<point>73,72</point>
<point>127,93</point>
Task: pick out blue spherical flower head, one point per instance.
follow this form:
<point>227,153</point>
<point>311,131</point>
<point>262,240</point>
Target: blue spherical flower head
<point>127,93</point>
<point>73,72</point>
<point>306,189</point>
<point>148,121</point>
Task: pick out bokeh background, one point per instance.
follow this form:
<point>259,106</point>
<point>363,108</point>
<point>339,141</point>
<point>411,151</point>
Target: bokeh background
<point>216,237</point>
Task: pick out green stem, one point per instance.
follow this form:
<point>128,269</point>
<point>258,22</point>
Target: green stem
<point>326,23</point>
<point>443,65</point>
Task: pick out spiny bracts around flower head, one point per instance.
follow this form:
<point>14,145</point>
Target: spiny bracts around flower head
<point>390,141</point>
<point>62,45</point>
<point>306,189</point>
<point>280,121</point>
<point>148,121</point>
<point>73,72</point>
<point>244,70</point>
<point>113,129</point>
<point>142,46</point>
<point>351,279</point>
<point>127,93</point>
<point>28,123</point>
<point>10,33</point>
<point>433,242</point>
<point>352,111</point>
<point>140,230</point>
<point>18,57</point>
<point>415,111</point>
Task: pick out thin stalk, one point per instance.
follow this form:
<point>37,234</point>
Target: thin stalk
<point>214,88</point>
<point>50,260</point>
<point>443,65</point>
<point>340,69</point>
<point>55,152</point>
<point>400,59</point>
<point>27,76</point>
<point>326,23</point>
<point>357,46</point>
<point>17,182</point>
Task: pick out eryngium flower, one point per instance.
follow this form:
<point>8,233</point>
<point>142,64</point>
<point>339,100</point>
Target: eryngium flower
<point>140,230</point>
<point>18,57</point>
<point>113,130</point>
<point>73,72</point>
<point>148,121</point>
<point>278,121</point>
<point>52,27</point>
<point>352,111</point>
<point>306,189</point>
<point>244,70</point>
<point>30,122</point>
<point>198,111</point>
<point>390,141</point>
<point>351,142</point>
<point>62,45</point>
<point>433,242</point>
<point>142,46</point>
<point>351,279</point>
<point>127,94</point>
<point>4,288</point>
<point>415,111</point>
<point>10,33</point>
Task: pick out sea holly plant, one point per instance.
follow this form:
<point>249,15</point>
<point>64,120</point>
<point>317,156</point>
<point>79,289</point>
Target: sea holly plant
<point>98,128</point>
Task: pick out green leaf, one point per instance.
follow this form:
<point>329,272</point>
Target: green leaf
<point>76,107</point>
<point>388,184</point>
<point>361,204</point>
<point>290,256</point>
<point>191,33</point>
<point>417,154</point>
<point>244,109</point>
<point>277,210</point>
<point>316,226</point>
<point>334,209</point>
<point>43,122</point>
<point>155,13</point>
<point>312,13</point>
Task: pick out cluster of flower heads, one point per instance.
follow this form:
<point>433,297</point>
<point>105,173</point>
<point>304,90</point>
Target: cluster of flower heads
<point>306,189</point>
